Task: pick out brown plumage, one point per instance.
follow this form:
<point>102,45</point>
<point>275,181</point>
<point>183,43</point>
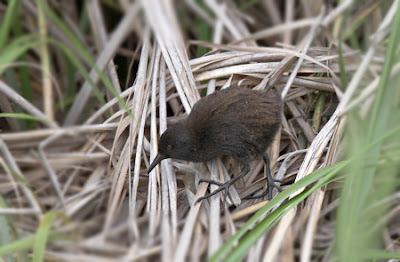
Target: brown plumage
<point>237,122</point>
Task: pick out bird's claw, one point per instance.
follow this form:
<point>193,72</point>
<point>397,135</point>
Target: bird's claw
<point>222,186</point>
<point>270,187</point>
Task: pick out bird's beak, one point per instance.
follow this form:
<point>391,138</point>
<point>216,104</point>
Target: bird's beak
<point>155,162</point>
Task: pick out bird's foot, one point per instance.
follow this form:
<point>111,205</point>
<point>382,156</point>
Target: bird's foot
<point>222,186</point>
<point>270,187</point>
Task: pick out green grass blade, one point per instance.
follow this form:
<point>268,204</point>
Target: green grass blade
<point>325,175</point>
<point>42,236</point>
<point>248,4</point>
<point>80,67</point>
<point>267,223</point>
<point>382,104</point>
<point>15,49</point>
<point>69,34</point>
<point>368,182</point>
<point>342,67</point>
<point>89,59</point>
<point>28,242</point>
<point>9,18</point>
<point>380,255</point>
<point>23,116</point>
<point>18,245</point>
<point>311,178</point>
<point>39,240</point>
<point>5,232</point>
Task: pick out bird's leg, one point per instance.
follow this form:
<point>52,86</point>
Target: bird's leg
<point>223,186</point>
<point>270,182</point>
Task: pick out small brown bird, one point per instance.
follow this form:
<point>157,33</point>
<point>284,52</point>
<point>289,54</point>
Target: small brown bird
<point>236,121</point>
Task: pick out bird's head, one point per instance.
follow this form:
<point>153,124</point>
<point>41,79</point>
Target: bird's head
<point>175,143</point>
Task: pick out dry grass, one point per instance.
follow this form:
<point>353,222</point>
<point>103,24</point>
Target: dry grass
<point>91,162</point>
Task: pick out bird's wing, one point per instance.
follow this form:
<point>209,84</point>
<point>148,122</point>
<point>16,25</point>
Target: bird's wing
<point>216,113</point>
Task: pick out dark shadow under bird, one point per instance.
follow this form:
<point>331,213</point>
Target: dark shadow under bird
<point>236,121</point>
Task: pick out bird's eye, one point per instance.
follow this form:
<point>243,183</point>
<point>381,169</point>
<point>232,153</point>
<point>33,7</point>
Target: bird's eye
<point>169,147</point>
